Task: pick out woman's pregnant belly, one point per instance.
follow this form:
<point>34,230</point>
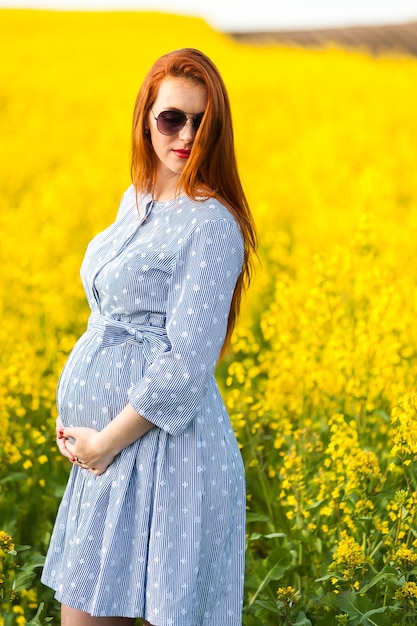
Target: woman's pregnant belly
<point>94,384</point>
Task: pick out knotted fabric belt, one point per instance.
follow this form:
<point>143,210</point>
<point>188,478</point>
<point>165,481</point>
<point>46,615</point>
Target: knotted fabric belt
<point>154,339</point>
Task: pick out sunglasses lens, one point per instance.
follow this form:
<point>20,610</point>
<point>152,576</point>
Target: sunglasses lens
<point>197,121</point>
<point>171,122</point>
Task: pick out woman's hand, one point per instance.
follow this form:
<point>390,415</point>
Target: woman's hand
<point>87,450</point>
<point>95,450</point>
<point>61,440</point>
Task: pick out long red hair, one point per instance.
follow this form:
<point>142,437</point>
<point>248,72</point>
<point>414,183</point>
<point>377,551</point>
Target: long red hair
<point>211,170</point>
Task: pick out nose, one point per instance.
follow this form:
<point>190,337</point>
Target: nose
<point>187,132</point>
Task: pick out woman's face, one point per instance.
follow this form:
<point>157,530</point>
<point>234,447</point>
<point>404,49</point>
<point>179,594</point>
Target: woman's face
<point>179,95</point>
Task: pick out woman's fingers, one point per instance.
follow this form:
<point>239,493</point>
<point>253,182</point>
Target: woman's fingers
<point>78,445</point>
<point>61,443</point>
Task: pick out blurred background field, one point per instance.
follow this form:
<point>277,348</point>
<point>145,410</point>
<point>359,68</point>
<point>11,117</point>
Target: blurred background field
<point>321,377</point>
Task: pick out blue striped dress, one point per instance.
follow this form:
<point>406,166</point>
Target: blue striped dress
<point>161,533</point>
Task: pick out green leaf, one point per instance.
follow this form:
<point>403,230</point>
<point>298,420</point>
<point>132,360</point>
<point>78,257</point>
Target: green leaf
<point>353,604</point>
<point>273,568</point>
<point>365,617</point>
<point>390,576</point>
<point>302,620</point>
<point>256,517</point>
<point>255,537</point>
<point>344,601</point>
<point>38,620</point>
<point>268,605</point>
<point>251,620</point>
<point>277,563</point>
<point>22,548</point>
<point>326,577</point>
<point>59,491</point>
<point>12,476</point>
<point>35,560</point>
<point>315,505</point>
<point>23,580</point>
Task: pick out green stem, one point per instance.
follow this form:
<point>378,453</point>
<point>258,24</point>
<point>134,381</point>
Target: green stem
<point>264,489</point>
<point>261,586</point>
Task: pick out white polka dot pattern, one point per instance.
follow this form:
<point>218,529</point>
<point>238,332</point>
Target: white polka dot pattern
<point>161,534</point>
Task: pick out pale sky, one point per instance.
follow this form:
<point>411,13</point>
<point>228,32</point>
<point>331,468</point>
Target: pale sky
<point>229,15</point>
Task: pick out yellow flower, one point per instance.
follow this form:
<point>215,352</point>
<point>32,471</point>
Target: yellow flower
<point>348,557</point>
<point>404,422</point>
<point>18,609</point>
<point>405,559</point>
<point>6,542</point>
<point>407,595</point>
<point>287,595</point>
<point>326,511</point>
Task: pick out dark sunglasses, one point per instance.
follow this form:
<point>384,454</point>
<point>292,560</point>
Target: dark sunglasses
<point>171,122</point>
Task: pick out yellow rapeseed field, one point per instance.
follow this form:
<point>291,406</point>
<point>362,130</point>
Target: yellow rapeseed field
<point>323,373</point>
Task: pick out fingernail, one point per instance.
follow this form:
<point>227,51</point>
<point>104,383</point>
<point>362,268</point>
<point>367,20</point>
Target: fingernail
<point>61,433</point>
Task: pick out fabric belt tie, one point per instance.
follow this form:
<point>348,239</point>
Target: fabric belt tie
<point>154,339</point>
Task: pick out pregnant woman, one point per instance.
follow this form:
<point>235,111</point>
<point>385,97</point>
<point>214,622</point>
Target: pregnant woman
<point>152,523</point>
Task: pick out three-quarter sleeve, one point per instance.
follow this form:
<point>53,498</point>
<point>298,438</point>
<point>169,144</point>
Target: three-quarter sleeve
<point>200,291</point>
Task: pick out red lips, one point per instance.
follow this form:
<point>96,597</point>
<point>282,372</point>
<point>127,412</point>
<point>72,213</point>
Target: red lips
<point>182,154</point>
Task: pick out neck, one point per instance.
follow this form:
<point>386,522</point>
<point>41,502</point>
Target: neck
<point>165,188</point>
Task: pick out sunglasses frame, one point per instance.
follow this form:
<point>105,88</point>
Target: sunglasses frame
<point>198,116</point>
